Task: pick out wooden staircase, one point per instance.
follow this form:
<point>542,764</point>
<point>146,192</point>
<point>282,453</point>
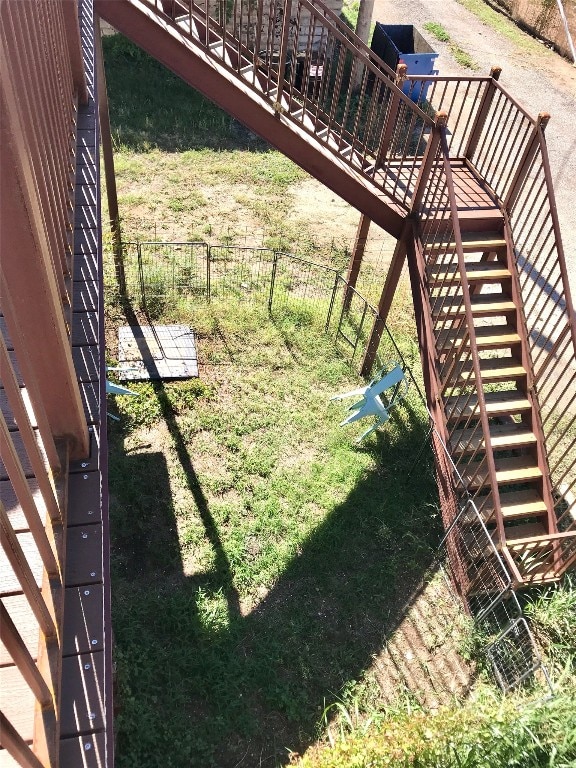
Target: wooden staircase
<point>490,411</point>
<point>389,158</point>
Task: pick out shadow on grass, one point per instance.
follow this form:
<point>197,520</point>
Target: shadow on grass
<point>228,690</point>
<point>151,107</point>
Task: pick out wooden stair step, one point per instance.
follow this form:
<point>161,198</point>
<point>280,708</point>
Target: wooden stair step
<point>471,241</point>
<point>492,369</point>
<point>525,503</point>
<point>480,271</point>
<point>502,436</point>
<point>515,469</point>
<point>497,403</point>
<point>523,532</point>
<point>482,304</point>
<point>499,336</point>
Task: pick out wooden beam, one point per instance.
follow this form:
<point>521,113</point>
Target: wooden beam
<point>74,44</point>
<point>386,299</point>
<point>357,256</point>
<point>16,746</point>
<point>108,155</point>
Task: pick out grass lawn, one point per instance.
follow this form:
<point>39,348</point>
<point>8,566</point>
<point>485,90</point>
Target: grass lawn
<point>262,564</point>
<point>260,558</point>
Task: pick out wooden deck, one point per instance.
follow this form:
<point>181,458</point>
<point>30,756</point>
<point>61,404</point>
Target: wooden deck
<point>86,710</point>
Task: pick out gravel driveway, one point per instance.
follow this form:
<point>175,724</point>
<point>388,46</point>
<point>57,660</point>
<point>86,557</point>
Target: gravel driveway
<point>538,78</point>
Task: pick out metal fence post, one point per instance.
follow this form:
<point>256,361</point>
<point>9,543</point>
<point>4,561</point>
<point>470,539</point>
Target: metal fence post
<point>272,281</point>
<point>208,251</point>
<point>331,305</point>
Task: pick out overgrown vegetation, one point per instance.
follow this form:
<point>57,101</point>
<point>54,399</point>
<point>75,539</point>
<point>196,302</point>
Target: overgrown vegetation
<point>521,730</point>
<point>498,21</point>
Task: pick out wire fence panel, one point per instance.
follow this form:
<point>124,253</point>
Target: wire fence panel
<point>353,321</point>
<point>302,286</point>
<point>159,275</point>
<point>239,272</point>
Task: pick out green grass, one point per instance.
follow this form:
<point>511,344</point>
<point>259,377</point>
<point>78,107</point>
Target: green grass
<point>461,56</point>
<point>259,556</point>
<point>499,22</point>
<point>437,30</point>
<point>184,167</point>
<point>521,730</point>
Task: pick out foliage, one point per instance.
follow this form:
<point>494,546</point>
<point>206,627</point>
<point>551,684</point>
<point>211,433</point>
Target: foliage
<point>252,579</point>
<point>486,733</point>
<point>460,55</point>
<point>489,730</point>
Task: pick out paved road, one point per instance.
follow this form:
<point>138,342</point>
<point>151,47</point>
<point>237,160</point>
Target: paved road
<point>538,78</point>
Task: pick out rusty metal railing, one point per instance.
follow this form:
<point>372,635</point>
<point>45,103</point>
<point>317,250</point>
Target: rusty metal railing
<point>42,422</point>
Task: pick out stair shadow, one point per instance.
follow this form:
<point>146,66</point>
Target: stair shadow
<point>254,683</point>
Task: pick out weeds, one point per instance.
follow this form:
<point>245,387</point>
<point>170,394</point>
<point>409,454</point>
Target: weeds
<point>460,55</point>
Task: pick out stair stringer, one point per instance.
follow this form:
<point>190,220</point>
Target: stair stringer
<point>195,66</point>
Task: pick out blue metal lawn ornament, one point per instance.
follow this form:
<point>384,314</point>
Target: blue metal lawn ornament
<point>116,389</point>
<point>371,403</point>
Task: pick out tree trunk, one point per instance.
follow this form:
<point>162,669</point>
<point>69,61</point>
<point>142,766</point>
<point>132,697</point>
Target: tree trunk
<point>363,31</point>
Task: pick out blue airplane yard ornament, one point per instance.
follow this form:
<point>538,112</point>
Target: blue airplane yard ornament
<point>116,389</point>
<point>371,403</point>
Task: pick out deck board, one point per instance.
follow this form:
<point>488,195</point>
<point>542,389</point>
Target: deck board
<point>87,751</point>
<point>83,619</point>
<point>83,705</point>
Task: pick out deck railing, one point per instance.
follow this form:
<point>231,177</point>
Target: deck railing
<point>42,422</point>
<point>313,70</point>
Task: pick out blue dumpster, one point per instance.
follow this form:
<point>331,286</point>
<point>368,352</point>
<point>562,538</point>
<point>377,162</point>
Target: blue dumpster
<point>403,44</point>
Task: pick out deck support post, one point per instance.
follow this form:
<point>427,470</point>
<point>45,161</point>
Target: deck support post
<point>356,258</point>
<point>525,161</point>
<point>74,45</point>
<point>388,293</point>
<point>108,155</point>
<point>482,113</point>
